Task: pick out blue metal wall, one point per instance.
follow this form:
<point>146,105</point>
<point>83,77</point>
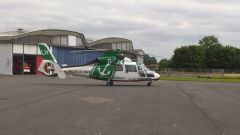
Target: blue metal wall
<point>71,58</point>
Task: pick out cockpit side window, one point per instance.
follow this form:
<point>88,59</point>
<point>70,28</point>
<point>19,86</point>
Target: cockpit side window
<point>140,71</point>
<point>131,68</point>
<point>119,67</point>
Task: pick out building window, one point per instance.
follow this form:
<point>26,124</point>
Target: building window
<point>114,46</point>
<point>124,46</point>
<point>106,46</point>
<point>79,41</point>
<point>119,46</point>
<point>25,40</point>
<point>129,46</point>
<point>72,40</point>
<point>64,40</point>
<point>33,40</point>
<point>44,39</point>
<point>56,40</point>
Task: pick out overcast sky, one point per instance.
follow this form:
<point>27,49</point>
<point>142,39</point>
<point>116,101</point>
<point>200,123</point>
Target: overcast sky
<point>156,26</point>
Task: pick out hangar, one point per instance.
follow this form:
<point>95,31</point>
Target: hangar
<point>19,53</point>
<point>123,44</point>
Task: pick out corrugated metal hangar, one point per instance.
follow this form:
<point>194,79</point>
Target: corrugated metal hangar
<point>19,53</point>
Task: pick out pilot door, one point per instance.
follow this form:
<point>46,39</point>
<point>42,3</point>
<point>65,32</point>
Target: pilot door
<point>141,72</point>
<point>131,72</point>
<point>119,72</point>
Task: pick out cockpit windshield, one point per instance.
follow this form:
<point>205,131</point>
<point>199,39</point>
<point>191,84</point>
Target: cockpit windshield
<point>145,69</point>
<point>148,72</point>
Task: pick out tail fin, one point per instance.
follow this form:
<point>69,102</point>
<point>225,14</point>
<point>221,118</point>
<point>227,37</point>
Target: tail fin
<point>49,66</point>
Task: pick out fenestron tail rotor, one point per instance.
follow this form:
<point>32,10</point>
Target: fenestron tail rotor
<point>49,68</point>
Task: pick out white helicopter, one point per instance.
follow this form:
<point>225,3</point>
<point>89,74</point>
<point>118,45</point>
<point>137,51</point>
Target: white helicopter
<point>110,67</point>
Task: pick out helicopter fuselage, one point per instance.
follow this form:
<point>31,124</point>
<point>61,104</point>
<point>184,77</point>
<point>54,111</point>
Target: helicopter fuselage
<point>124,71</point>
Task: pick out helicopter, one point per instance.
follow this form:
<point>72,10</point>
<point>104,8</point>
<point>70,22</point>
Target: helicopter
<point>111,67</point>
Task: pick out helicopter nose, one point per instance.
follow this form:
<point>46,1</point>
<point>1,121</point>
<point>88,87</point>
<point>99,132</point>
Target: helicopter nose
<point>156,76</point>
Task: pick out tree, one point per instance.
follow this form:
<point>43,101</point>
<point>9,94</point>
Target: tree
<point>230,57</point>
<point>213,52</point>
<point>164,63</point>
<point>153,60</point>
<point>148,61</point>
<point>188,57</point>
<point>180,57</point>
<point>214,58</point>
<point>208,41</point>
<point>197,56</point>
<point>208,54</point>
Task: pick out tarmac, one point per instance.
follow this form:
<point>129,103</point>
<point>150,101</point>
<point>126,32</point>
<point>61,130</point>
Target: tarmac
<point>31,105</point>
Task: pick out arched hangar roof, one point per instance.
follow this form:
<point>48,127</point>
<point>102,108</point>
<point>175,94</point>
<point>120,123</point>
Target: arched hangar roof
<point>47,32</point>
<point>109,40</point>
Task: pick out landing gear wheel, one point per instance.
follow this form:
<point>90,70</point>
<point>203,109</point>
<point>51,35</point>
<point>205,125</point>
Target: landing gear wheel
<point>149,83</point>
<point>110,83</point>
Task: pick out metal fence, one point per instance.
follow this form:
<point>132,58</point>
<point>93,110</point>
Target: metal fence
<point>199,72</point>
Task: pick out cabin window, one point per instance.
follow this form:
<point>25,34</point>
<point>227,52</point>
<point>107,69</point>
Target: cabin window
<point>119,68</point>
<point>64,40</point>
<point>131,68</point>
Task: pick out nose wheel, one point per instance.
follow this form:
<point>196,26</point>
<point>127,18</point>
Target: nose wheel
<point>149,83</point>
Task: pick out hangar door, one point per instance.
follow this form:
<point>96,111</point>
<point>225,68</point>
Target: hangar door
<point>24,59</point>
<point>6,59</point>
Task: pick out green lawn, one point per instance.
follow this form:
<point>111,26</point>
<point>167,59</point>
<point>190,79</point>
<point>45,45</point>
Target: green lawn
<point>201,79</point>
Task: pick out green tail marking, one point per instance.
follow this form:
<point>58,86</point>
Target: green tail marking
<point>104,70</point>
<point>46,54</point>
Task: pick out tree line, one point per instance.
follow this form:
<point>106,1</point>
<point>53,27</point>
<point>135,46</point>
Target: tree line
<point>208,54</point>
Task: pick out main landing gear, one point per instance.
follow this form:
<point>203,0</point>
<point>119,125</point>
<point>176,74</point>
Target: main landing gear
<point>110,83</point>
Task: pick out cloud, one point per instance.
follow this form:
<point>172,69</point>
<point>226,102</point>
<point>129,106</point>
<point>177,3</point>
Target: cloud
<point>157,27</point>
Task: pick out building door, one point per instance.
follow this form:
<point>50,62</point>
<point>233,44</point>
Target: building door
<point>17,64</point>
<point>24,64</point>
<point>30,64</point>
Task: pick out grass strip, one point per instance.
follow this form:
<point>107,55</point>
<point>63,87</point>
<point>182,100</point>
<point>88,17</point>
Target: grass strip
<point>201,79</point>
